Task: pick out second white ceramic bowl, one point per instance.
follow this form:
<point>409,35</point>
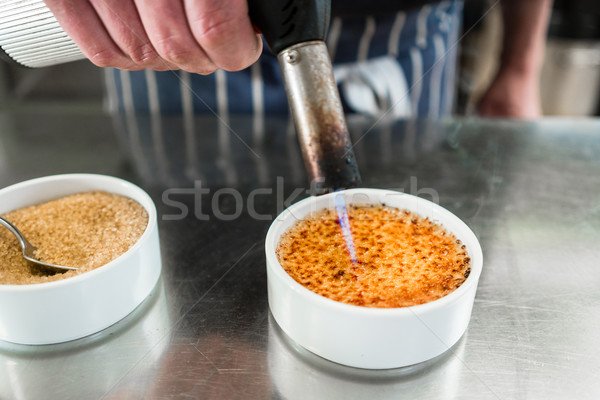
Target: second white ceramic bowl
<point>75,307</point>
<point>364,337</point>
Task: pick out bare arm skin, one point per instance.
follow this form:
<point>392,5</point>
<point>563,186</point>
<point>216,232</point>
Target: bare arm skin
<point>514,93</point>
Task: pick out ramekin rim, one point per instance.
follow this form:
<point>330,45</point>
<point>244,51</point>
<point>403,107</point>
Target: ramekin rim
<point>475,254</point>
<point>74,280</point>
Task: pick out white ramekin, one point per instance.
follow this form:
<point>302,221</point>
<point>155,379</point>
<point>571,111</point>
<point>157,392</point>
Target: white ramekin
<point>369,337</point>
<point>98,361</point>
<point>75,307</point>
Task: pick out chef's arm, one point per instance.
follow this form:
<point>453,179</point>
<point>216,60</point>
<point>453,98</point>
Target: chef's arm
<point>514,92</point>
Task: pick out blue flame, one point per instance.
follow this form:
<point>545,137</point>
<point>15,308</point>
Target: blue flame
<point>340,206</point>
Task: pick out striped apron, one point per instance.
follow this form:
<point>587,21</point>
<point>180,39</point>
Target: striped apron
<point>401,65</point>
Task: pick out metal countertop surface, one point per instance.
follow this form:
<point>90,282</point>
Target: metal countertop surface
<point>529,191</point>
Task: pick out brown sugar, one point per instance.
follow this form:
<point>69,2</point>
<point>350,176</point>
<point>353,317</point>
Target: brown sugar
<point>84,230</point>
<point>402,259</point>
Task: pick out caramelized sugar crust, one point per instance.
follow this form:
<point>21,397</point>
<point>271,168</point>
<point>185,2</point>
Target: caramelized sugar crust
<point>402,258</point>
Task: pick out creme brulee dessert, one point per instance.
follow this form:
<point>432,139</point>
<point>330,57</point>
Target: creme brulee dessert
<point>84,230</point>
<point>402,259</point>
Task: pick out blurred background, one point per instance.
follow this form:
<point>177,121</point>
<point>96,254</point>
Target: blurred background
<point>570,78</point>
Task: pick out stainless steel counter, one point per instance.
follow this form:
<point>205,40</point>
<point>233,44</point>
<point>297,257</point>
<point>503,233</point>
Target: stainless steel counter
<point>530,191</point>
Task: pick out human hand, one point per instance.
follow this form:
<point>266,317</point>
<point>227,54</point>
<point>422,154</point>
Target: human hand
<point>511,95</point>
<point>197,36</point>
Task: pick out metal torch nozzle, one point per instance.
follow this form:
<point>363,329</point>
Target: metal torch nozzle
<point>319,116</point>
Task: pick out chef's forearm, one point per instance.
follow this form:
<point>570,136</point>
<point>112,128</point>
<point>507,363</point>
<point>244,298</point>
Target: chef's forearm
<point>525,26</point>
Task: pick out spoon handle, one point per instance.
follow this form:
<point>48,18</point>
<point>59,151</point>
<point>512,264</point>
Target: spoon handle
<point>29,249</point>
<point>22,241</point>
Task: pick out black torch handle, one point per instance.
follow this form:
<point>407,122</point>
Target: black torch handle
<point>285,23</point>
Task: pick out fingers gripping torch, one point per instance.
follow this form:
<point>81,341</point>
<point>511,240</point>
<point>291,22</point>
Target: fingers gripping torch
<point>294,29</point>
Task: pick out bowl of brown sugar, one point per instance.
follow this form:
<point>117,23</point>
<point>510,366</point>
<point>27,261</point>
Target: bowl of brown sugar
<point>372,278</point>
<point>104,227</point>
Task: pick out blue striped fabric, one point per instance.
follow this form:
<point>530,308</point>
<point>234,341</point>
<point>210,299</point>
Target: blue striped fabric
<point>422,42</point>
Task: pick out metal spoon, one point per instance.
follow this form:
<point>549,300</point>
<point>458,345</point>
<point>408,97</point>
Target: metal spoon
<point>29,250</point>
